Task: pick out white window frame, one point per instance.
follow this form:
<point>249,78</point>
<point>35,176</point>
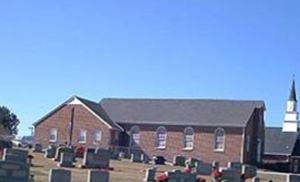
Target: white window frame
<point>188,139</point>
<point>97,136</point>
<point>82,133</point>
<point>164,137</point>
<point>135,136</point>
<point>53,132</point>
<point>223,140</point>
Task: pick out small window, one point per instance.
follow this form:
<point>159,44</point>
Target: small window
<point>219,139</point>
<point>161,137</point>
<point>248,140</point>
<point>53,135</point>
<point>188,138</point>
<point>82,136</point>
<point>134,136</point>
<point>97,136</point>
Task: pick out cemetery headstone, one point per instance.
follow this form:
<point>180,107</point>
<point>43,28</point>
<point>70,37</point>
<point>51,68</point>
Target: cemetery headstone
<point>203,168</point>
<point>12,171</point>
<point>66,159</point>
<point>179,160</point>
<point>159,160</point>
<point>38,148</point>
<point>231,175</point>
<point>60,150</point>
<point>215,164</point>
<point>98,176</point>
<point>293,178</point>
<point>95,160</point>
<point>256,179</point>
<point>191,162</point>
<point>60,175</point>
<point>178,176</point>
<point>136,157</point>
<point>150,175</point>
<point>51,151</point>
<point>235,165</point>
<point>15,155</point>
<point>249,171</point>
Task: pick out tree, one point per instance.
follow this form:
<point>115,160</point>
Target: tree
<point>9,120</point>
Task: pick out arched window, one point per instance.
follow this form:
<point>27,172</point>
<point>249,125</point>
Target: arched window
<point>82,136</point>
<point>161,137</point>
<point>97,136</point>
<point>134,136</point>
<point>188,138</point>
<point>53,135</point>
<point>219,139</point>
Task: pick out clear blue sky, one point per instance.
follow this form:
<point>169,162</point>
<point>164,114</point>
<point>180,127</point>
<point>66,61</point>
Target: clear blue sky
<point>235,49</point>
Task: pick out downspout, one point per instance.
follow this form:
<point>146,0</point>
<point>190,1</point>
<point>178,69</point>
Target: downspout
<point>242,148</point>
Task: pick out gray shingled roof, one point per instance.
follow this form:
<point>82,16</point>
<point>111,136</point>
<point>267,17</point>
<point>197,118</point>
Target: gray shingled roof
<point>278,142</point>
<point>100,112</point>
<point>201,112</point>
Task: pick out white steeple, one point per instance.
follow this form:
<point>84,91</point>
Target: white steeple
<point>291,122</point>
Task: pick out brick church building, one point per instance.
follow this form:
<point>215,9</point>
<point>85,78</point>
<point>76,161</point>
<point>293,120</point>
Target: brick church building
<point>282,144</point>
<point>222,130</point>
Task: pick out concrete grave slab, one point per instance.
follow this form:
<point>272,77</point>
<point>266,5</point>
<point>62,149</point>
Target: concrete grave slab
<point>98,176</point>
<point>12,171</point>
<point>59,175</point>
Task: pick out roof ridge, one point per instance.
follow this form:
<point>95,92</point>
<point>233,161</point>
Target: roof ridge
<point>179,99</point>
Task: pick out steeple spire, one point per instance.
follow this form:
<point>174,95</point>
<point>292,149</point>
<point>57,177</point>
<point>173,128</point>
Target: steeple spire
<point>293,96</point>
<point>291,119</point>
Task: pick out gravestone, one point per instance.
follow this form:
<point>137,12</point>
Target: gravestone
<point>179,160</point>
<point>60,150</point>
<point>231,175</point>
<point>59,175</point>
<point>102,151</point>
<point>98,176</point>
<point>235,165</point>
<point>249,171</point>
<point>38,148</point>
<point>51,151</point>
<point>191,162</point>
<point>66,160</point>
<point>215,164</point>
<point>94,160</point>
<point>150,175</point>
<point>293,178</point>
<point>12,171</point>
<point>145,158</point>
<point>17,155</point>
<point>178,176</point>
<point>203,168</point>
<point>136,157</point>
<point>159,160</point>
<point>256,179</point>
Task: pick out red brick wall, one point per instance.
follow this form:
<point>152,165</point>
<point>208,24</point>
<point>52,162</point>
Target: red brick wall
<point>203,143</point>
<point>83,119</point>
